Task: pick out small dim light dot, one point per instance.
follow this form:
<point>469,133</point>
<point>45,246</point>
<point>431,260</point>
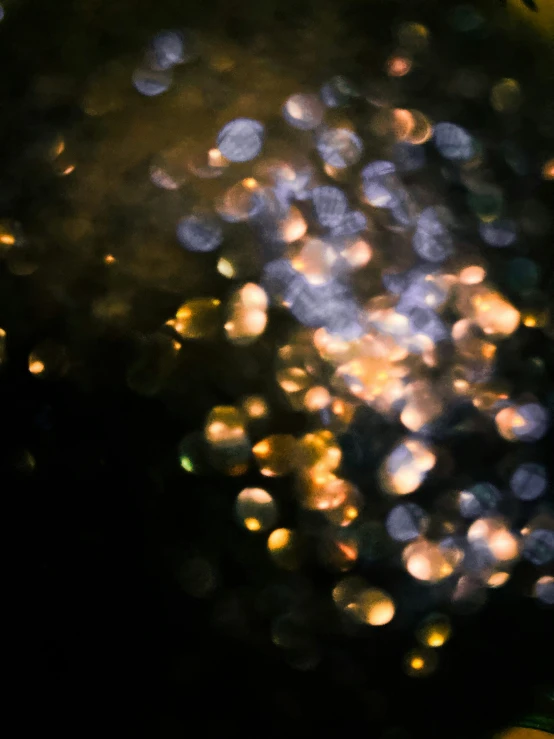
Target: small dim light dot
<point>529,321</point>
<point>36,367</point>
<point>109,259</point>
<point>398,66</point>
<point>548,170</point>
<point>186,464</point>
<point>68,170</point>
<point>252,524</point>
<point>417,663</point>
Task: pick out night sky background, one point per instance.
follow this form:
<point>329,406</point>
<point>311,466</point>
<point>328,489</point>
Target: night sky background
<point>107,539</point>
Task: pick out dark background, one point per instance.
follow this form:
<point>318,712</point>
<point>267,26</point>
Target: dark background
<point>99,518</point>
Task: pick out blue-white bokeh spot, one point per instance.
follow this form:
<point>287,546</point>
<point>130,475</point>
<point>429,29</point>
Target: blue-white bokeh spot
<point>330,204</point>
<point>168,49</point>
<point>339,147</point>
<point>241,140</point>
<point>151,82</point>
<point>199,233</point>
<point>432,240</point>
<point>303,111</point>
<point>529,481</point>
<point>498,233</point>
<point>453,142</point>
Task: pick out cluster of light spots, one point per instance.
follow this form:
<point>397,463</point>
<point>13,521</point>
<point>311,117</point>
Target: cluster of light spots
<point>395,307</point>
<point>199,318</point>
<point>256,509</point>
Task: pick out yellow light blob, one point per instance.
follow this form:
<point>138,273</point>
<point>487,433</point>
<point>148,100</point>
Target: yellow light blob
<point>420,662</point>
<point>36,367</point>
<point>276,455</point>
<point>293,379</point>
<point>197,319</point>
<point>319,451</point>
<point>497,579</point>
<point>364,604</point>
<point>317,398</point>
<point>282,544</point>
<point>252,524</point>
<point>434,632</point>
<point>255,407</point>
<point>375,607</point>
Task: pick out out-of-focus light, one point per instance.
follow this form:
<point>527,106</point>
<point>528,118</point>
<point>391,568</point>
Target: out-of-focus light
<point>199,233</point>
<point>276,455</point>
<point>406,466</point>
<point>529,481</point>
<point>317,398</point>
<point>241,140</point>
<point>472,275</point>
<point>453,142</point>
<point>339,147</point>
<point>197,319</point>
<point>151,82</point>
<point>303,111</point>
<point>36,366</point>
<point>283,547</point>
<point>548,170</point>
<point>420,662</point>
<point>406,522</point>
<point>427,561</point>
<point>435,631</point>
<point>224,426</point>
<point>256,509</point>
<point>497,579</point>
<point>255,407</point>
<point>544,590</point>
<point>398,66</point>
